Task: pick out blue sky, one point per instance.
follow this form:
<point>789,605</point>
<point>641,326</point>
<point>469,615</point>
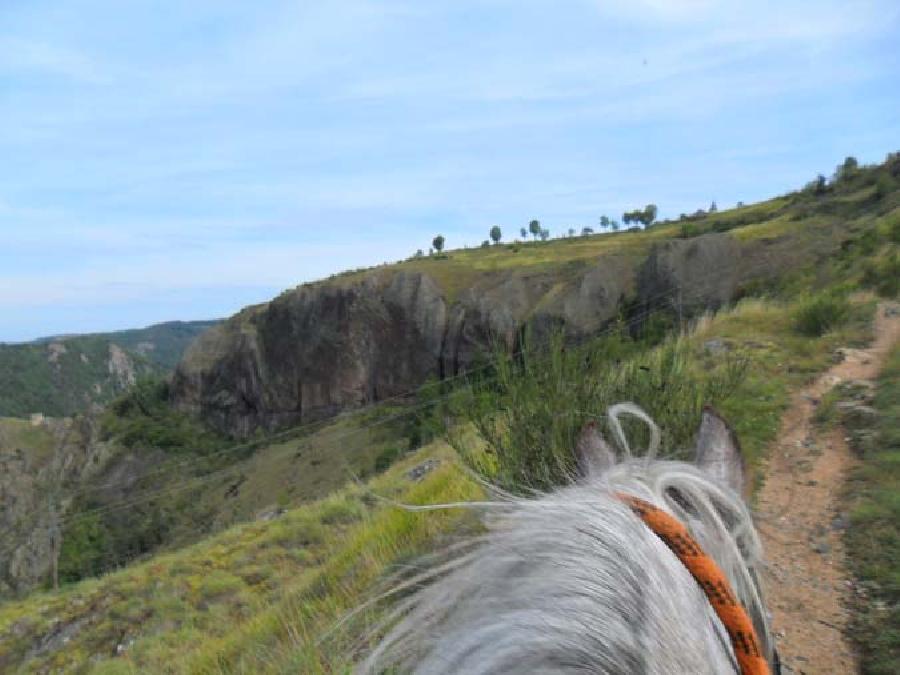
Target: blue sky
<point>166,160</point>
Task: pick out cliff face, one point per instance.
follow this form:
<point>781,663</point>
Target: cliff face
<point>325,347</point>
<point>42,464</point>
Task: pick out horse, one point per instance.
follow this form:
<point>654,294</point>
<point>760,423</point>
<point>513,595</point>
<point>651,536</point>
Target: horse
<point>575,581</point>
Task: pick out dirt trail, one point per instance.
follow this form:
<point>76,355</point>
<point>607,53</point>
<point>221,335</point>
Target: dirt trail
<point>801,520</point>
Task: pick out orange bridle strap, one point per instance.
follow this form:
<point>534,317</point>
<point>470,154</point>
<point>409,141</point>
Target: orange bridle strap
<point>711,579</point>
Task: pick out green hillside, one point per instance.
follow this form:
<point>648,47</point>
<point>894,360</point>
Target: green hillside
<point>65,375</point>
<point>273,596</point>
<point>270,556</point>
<point>163,343</point>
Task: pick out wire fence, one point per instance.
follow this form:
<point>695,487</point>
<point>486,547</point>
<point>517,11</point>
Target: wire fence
<point>665,301</point>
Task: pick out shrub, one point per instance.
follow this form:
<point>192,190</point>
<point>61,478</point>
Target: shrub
<point>883,276</point>
<point>689,230</point>
<point>820,313</point>
<point>884,185</point>
<point>387,457</point>
<point>143,417</point>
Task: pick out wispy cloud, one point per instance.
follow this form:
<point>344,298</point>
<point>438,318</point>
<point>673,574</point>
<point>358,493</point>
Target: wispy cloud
<point>30,57</point>
<point>228,145</point>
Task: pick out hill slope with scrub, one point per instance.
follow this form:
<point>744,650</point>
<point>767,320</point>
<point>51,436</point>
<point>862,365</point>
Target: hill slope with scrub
<point>225,526</point>
<point>365,336</point>
<point>64,375</point>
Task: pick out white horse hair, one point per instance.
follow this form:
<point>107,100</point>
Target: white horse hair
<point>574,581</point>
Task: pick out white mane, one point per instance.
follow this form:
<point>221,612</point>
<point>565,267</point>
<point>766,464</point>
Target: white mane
<point>573,581</point>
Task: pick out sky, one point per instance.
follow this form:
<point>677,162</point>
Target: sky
<point>180,160</point>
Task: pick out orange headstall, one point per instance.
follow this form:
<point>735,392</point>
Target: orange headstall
<point>711,579</point>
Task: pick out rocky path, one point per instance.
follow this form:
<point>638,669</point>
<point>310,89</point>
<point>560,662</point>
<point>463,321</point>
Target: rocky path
<point>801,520</point>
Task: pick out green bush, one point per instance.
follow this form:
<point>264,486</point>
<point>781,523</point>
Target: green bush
<point>86,549</point>
<point>689,230</point>
<point>883,275</point>
<point>820,313</point>
<point>143,417</point>
<point>387,457</point>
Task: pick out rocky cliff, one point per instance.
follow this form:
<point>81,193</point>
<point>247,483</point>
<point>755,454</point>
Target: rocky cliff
<point>328,346</point>
<point>43,462</point>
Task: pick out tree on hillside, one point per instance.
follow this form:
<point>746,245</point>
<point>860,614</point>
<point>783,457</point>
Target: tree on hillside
<point>524,233</point>
<point>818,186</point>
<point>485,244</point>
<point>438,243</point>
<point>614,224</point>
<point>847,169</point>
<point>645,216</point>
<point>535,228</point>
<point>585,231</point>
<point>496,234</point>
<point>713,207</point>
<point>604,222</point>
<point>884,185</point>
<point>545,235</point>
<point>571,231</point>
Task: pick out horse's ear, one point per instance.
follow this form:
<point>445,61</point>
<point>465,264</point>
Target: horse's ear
<point>718,451</point>
<point>592,452</point>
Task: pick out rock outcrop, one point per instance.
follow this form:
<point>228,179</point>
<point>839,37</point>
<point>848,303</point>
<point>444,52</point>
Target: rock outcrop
<point>691,275</point>
<point>330,346</point>
<point>42,465</point>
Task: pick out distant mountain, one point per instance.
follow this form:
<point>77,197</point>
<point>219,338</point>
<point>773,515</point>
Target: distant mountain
<point>162,343</point>
<point>60,376</point>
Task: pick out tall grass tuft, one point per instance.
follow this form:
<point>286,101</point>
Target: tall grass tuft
<point>820,313</point>
<point>524,420</point>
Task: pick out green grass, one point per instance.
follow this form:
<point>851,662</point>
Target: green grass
<point>17,433</point>
<point>204,483</point>
<point>531,410</point>
<point>242,598</point>
<point>279,596</point>
<point>873,538</point>
<point>819,313</point>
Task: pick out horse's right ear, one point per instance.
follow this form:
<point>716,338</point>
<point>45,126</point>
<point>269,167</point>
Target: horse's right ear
<point>592,452</point>
<point>718,451</point>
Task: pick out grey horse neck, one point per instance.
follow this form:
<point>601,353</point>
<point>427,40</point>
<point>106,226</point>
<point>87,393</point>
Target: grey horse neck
<point>575,582</point>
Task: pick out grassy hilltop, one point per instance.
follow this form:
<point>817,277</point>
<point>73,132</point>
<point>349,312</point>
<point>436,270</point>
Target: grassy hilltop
<point>275,551</point>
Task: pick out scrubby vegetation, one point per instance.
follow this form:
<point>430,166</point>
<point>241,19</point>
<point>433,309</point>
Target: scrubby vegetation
<point>144,417</point>
<point>279,583</point>
<point>60,377</point>
<point>819,313</point>
<point>531,409</point>
<point>278,596</point>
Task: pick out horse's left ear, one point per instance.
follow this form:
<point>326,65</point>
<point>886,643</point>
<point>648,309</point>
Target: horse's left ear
<point>718,451</point>
<point>592,452</point>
